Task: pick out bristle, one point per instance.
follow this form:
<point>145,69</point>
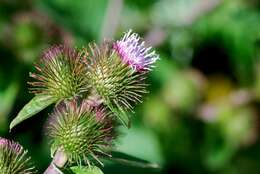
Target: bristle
<point>76,129</point>
<point>112,80</point>
<point>60,74</point>
<point>13,158</point>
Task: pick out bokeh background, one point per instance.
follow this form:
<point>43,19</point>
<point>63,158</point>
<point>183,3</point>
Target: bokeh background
<point>202,113</point>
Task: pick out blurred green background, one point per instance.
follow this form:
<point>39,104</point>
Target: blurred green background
<point>202,113</point>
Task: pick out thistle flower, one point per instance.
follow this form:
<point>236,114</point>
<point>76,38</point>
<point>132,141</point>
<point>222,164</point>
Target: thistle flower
<point>133,52</point>
<point>117,84</point>
<point>79,131</point>
<point>13,158</point>
<point>60,74</point>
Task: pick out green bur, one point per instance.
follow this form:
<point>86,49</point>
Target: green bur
<point>13,158</point>
<point>60,75</point>
<point>118,85</point>
<point>76,130</point>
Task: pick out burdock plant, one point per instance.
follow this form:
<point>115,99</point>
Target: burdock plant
<point>60,75</point>
<point>117,72</point>
<point>92,89</point>
<point>82,131</point>
<point>14,159</point>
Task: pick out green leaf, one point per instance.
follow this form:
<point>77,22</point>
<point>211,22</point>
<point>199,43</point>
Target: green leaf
<point>129,160</point>
<point>86,170</point>
<point>34,106</point>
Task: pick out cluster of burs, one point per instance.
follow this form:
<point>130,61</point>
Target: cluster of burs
<point>92,89</point>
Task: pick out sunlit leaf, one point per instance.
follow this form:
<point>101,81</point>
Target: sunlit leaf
<point>37,104</point>
<point>86,170</point>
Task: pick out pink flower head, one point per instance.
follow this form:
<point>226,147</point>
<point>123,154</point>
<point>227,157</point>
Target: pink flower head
<point>3,142</point>
<point>133,52</point>
<point>15,147</point>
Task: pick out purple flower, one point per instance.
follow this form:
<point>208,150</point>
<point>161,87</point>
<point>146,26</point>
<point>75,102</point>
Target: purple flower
<point>14,159</point>
<point>133,52</point>
<point>3,141</point>
<point>15,147</point>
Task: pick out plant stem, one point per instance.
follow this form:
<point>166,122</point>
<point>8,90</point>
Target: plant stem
<point>59,160</point>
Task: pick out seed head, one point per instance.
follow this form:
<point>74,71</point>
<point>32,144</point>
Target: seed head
<point>13,158</point>
<point>133,52</point>
<point>80,131</point>
<point>60,74</point>
<point>115,82</point>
